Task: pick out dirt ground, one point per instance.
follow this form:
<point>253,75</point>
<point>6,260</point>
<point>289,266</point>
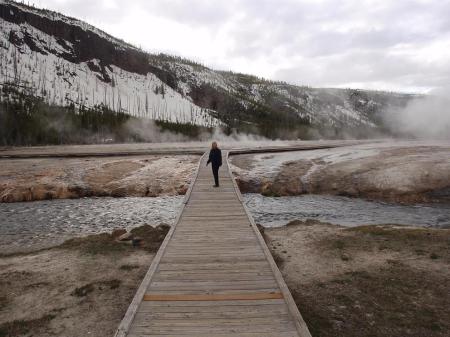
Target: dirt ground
<point>363,281</point>
<point>366,281</point>
<point>81,288</point>
<point>406,172</point>
<point>60,178</point>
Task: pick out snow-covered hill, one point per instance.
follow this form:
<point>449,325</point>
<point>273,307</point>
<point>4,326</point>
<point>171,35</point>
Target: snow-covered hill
<point>69,62</point>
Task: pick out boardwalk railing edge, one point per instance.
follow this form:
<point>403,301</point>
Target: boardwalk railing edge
<point>125,324</point>
<point>300,324</point>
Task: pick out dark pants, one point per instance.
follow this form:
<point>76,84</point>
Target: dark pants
<point>215,170</point>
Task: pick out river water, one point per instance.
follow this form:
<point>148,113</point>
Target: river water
<point>39,224</point>
<point>274,212</point>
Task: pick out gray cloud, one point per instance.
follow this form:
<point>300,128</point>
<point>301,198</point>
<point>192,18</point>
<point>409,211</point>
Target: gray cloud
<point>391,44</point>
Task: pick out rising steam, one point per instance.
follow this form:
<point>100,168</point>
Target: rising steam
<point>426,117</point>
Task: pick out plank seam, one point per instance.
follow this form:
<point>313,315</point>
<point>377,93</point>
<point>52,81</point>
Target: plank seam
<point>214,297</point>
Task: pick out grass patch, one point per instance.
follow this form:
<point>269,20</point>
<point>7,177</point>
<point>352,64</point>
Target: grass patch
<point>104,243</point>
<point>83,291</point>
<point>152,237</point>
<point>128,267</point>
<point>21,327</point>
<point>434,256</point>
<point>392,301</point>
<point>111,284</point>
<point>3,302</point>
<point>268,192</point>
<point>434,243</point>
<point>100,285</point>
<point>278,259</point>
<point>411,236</point>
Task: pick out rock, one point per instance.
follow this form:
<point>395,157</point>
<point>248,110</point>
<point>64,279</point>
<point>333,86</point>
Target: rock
<point>125,237</point>
<point>182,190</point>
<point>136,241</point>
<point>117,232</point>
<point>260,228</point>
<point>345,257</point>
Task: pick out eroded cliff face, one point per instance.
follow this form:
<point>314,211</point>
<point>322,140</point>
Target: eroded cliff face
<point>403,172</point>
<point>51,178</point>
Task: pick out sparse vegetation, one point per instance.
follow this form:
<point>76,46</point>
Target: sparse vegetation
<point>21,327</point>
<point>367,280</point>
<point>190,130</point>
<point>128,267</point>
<point>90,287</point>
<point>83,290</point>
<point>71,291</point>
<point>392,301</point>
<point>152,237</point>
<point>3,302</point>
<point>102,243</point>
<point>105,243</point>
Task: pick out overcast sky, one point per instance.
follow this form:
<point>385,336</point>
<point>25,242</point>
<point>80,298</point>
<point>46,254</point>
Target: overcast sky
<point>383,44</point>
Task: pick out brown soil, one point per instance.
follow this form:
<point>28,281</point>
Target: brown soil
<point>368,280</point>
<point>59,178</point>
<point>81,288</point>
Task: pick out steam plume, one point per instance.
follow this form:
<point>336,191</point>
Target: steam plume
<point>426,117</point>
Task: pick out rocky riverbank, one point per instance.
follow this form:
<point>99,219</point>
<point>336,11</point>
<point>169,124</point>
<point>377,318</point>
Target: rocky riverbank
<point>62,178</point>
<point>384,281</point>
<point>406,172</point>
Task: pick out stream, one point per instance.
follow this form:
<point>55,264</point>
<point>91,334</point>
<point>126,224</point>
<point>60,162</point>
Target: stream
<point>26,226</point>
<point>38,224</point>
<point>274,212</point>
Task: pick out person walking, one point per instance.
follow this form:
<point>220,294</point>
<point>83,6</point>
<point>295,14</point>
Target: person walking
<point>215,158</point>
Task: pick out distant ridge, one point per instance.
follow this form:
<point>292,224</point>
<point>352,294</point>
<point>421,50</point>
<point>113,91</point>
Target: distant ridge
<point>69,63</point>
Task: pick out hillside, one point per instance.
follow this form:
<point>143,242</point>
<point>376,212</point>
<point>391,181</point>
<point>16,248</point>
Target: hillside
<point>54,61</point>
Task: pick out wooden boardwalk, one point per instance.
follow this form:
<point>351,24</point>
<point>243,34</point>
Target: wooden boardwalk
<point>213,275</point>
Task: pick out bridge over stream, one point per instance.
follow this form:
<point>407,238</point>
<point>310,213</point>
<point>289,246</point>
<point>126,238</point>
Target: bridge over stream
<point>213,275</point>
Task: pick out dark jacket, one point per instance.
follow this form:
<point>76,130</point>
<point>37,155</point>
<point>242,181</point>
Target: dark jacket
<point>215,157</point>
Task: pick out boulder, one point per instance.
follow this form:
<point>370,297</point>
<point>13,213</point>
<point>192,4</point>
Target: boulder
<point>117,232</point>
<point>125,237</point>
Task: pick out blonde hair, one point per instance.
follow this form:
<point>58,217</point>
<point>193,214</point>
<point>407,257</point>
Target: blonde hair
<point>214,145</point>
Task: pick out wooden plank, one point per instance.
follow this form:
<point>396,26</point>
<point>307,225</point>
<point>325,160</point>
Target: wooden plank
<point>211,315</point>
<point>212,329</point>
<point>213,297</point>
<point>209,334</point>
<point>269,304</point>
<point>214,291</point>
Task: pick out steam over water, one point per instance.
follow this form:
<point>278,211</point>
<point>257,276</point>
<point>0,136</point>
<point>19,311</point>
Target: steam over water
<point>273,212</point>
